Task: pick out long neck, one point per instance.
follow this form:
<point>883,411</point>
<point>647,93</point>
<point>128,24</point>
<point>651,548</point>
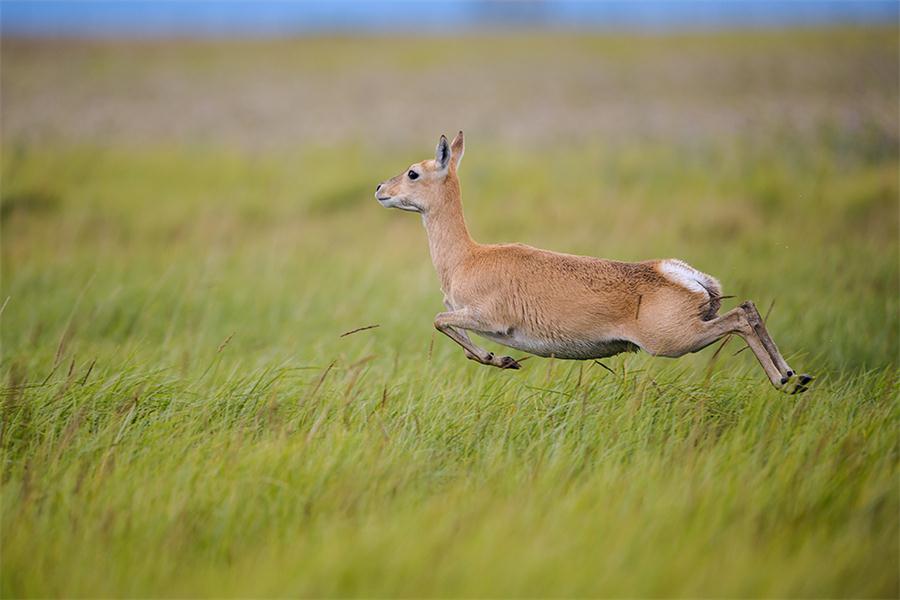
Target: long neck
<point>448,236</point>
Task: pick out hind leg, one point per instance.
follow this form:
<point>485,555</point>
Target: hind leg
<point>703,333</point>
<point>756,321</point>
<point>736,321</point>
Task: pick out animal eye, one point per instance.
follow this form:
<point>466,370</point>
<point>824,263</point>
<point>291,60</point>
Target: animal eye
<point>412,174</point>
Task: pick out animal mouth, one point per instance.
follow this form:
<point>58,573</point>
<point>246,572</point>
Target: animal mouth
<point>382,198</point>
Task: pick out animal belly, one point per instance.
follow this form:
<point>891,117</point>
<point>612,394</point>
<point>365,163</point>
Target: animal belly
<point>579,349</point>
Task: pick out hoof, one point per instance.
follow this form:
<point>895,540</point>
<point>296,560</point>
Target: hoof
<point>802,384</point>
<point>508,362</point>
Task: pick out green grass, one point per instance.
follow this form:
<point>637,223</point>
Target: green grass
<point>180,415</point>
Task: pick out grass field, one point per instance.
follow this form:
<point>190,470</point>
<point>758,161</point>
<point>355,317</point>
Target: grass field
<point>181,416</point>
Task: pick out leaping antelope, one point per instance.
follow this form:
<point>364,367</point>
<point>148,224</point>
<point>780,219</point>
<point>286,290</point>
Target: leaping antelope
<point>561,305</point>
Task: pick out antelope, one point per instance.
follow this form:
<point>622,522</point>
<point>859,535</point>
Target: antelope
<point>561,305</point>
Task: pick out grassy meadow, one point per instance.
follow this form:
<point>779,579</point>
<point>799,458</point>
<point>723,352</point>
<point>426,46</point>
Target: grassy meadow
<point>188,228</point>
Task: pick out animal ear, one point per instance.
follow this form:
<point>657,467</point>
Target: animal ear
<point>442,154</point>
<point>458,148</point>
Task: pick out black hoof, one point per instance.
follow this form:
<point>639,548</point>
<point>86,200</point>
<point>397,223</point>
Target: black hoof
<point>508,362</point>
<point>802,384</point>
<point>784,380</point>
<point>790,373</point>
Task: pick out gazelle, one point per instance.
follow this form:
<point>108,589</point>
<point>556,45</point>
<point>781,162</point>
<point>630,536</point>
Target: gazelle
<point>560,305</point>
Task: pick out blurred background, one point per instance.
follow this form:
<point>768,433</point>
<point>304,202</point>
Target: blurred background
<point>188,226</point>
<point>294,74</point>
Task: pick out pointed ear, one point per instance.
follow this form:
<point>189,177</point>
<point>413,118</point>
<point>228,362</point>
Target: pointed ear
<point>442,154</point>
<point>458,148</point>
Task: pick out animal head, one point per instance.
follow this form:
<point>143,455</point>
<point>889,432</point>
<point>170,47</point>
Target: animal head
<point>421,187</point>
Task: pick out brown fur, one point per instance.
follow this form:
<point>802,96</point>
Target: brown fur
<point>553,304</point>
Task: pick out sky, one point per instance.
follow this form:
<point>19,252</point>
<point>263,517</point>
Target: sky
<point>146,18</point>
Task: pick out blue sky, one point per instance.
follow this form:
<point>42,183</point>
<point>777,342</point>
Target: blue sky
<point>271,17</point>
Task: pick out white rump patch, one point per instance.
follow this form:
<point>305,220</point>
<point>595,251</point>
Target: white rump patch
<point>687,276</point>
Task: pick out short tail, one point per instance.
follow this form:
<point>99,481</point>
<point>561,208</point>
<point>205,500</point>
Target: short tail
<point>710,308</point>
<point>683,274</point>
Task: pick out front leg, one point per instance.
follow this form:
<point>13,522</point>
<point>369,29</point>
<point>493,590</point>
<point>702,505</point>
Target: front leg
<point>454,323</point>
<point>466,340</point>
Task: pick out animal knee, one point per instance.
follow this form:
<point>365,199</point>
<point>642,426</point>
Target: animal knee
<point>440,322</point>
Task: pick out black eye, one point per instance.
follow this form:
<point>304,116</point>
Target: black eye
<point>412,174</point>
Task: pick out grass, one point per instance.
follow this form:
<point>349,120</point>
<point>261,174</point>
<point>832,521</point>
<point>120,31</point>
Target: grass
<point>181,416</point>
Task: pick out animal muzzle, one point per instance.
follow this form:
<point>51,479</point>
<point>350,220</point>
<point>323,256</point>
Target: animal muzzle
<point>380,196</point>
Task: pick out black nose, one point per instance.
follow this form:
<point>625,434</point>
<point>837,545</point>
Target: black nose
<point>377,187</point>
